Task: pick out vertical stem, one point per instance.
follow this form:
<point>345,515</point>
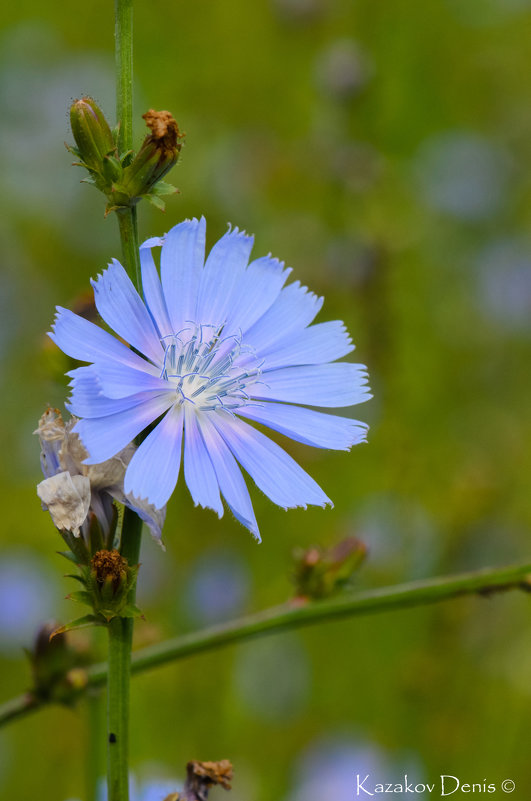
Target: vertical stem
<point>129,238</point>
<point>120,644</point>
<point>94,750</point>
<point>124,114</point>
<point>121,629</point>
<point>118,711</point>
<point>123,48</point>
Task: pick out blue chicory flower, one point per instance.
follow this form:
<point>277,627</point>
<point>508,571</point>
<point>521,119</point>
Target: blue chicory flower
<point>213,344</point>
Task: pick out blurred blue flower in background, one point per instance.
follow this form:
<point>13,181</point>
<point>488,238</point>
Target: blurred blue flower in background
<point>400,534</point>
<point>218,587</point>
<point>342,69</point>
<point>463,174</point>
<point>504,277</point>
<point>220,341</point>
<point>27,597</point>
<point>272,677</point>
<point>148,790</point>
<point>327,768</point>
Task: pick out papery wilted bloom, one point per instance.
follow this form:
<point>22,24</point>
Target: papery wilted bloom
<point>213,344</point>
<point>72,491</point>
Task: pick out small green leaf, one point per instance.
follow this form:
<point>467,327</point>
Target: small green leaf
<point>68,555</point>
<point>75,576</point>
<point>163,188</point>
<point>131,611</point>
<point>81,597</point>
<point>79,623</point>
<point>155,201</point>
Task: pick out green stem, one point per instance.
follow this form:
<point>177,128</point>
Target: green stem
<point>295,615</point>
<point>123,50</point>
<point>118,681</point>
<point>127,223</point>
<point>119,674</point>
<point>121,629</point>
<point>94,751</point>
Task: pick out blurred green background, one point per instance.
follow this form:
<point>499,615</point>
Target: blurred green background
<point>383,150</point>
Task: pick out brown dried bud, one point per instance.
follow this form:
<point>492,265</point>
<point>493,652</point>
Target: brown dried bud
<point>164,131</point>
<point>109,565</point>
<point>202,776</point>
<point>158,154</point>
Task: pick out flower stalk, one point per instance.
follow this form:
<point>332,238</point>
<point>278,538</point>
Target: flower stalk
<point>121,629</point>
<point>293,615</point>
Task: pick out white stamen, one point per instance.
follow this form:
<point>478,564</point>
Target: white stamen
<point>203,368</point>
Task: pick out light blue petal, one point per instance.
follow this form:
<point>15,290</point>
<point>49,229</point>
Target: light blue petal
<point>181,264</point>
<point>230,479</point>
<point>121,307</point>
<point>119,381</point>
<point>153,471</point>
<point>87,399</point>
<point>152,242</point>
<point>199,474</point>
<point>308,426</point>
<point>324,342</point>
<point>332,385</point>
<point>257,290</point>
<point>272,469</point>
<point>85,341</point>
<point>223,271</point>
<point>293,310</point>
<point>104,437</point>
<point>152,289</point>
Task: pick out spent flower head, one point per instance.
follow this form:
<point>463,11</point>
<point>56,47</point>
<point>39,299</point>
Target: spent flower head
<point>213,345</point>
<point>76,493</point>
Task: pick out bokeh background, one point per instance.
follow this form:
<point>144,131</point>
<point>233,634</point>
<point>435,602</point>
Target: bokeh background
<point>383,150</point>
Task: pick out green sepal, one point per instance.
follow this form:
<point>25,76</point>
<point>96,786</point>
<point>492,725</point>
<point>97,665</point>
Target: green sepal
<point>131,611</point>
<point>68,555</point>
<point>112,168</point>
<point>79,623</point>
<point>77,546</point>
<point>126,156</point>
<point>73,150</point>
<point>81,596</point>
<point>95,535</point>
<point>155,201</point>
<point>164,188</point>
<point>75,576</point>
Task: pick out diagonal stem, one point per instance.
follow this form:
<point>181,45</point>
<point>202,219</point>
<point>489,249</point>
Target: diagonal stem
<point>292,616</point>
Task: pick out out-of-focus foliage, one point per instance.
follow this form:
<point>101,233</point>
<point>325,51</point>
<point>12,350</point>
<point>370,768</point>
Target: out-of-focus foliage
<point>382,149</point>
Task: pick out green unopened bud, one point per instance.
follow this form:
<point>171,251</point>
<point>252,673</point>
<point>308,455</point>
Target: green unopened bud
<point>53,659</point>
<point>322,573</point>
<point>92,134</point>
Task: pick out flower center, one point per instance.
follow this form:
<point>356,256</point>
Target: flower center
<point>207,369</point>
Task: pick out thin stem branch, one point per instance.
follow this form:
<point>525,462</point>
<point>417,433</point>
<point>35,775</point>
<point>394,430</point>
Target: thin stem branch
<point>295,615</point>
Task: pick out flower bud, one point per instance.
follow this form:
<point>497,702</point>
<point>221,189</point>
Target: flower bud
<point>158,154</point>
<point>322,573</point>
<point>92,134</point>
<point>53,662</point>
<point>108,581</point>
